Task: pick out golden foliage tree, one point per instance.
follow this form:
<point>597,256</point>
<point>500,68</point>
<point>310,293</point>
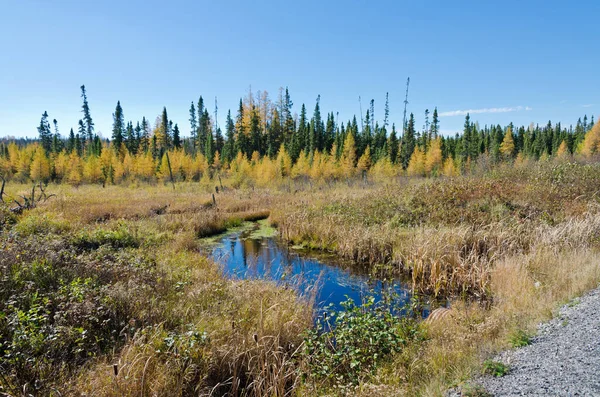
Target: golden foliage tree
<point>416,165</point>
<point>591,143</point>
<point>40,166</point>
<point>433,159</point>
<point>507,147</point>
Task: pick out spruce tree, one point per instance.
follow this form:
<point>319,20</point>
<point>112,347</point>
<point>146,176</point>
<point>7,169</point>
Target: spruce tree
<point>288,121</point>
<point>408,142</point>
<point>144,136</point>
<point>176,137</point>
<point>130,143</point>
<point>118,127</point>
<point>255,133</point>
<point>89,124</point>
<point>435,124</point>
<point>193,125</point>
<point>229,146</point>
<point>164,127</point>
<point>242,141</point>
<point>45,133</point>
<point>71,142</point>
<point>219,141</point>
<point>393,145</point>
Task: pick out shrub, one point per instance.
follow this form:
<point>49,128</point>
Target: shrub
<point>519,338</point>
<point>360,338</point>
<point>495,368</point>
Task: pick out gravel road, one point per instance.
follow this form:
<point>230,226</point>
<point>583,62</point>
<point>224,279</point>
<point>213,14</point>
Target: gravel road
<point>562,360</point>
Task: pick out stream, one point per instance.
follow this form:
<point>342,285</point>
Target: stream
<point>253,253</point>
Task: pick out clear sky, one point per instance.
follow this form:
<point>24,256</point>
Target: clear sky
<point>521,61</point>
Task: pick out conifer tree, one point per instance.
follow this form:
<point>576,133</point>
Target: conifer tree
<point>393,145</point>
<point>229,146</point>
<point>176,137</point>
<point>193,125</point>
<point>164,128</point>
<point>241,140</point>
<point>435,124</point>
<point>87,117</point>
<point>408,142</point>
<point>118,127</point>
<point>288,121</point>
<point>508,145</point>
<point>144,136</point>
<point>71,142</point>
<point>219,141</point>
<point>45,133</point>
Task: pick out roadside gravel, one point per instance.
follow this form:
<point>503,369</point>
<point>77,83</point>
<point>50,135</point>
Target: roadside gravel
<point>562,360</point>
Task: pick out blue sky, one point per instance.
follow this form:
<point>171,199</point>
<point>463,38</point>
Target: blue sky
<point>520,61</point>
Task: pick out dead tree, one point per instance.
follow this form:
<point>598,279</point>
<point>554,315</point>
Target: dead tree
<point>30,202</point>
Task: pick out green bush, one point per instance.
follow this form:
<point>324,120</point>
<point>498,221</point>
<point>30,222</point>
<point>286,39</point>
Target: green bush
<point>495,368</point>
<point>519,338</point>
<point>360,338</point>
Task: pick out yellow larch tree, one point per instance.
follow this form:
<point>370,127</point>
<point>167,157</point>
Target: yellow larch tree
<point>416,165</point>
<point>348,159</point>
<point>563,150</point>
<point>449,168</point>
<point>591,143</point>
<point>507,147</point>
<point>433,158</point>
<point>364,162</point>
<point>40,166</point>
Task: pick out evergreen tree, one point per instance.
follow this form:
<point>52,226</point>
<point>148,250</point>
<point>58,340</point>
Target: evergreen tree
<point>274,135</point>
<point>193,125</point>
<point>255,133</point>
<point>387,111</point>
<point>288,121</point>
<point>466,139</point>
<point>209,147</point>
<point>316,129</point>
<point>408,142</point>
<point>435,124</point>
<point>145,136</point>
<point>229,146</point>
<point>176,137</point>
<point>302,138</point>
<point>138,138</point>
<point>166,133</point>
<point>329,133</point>
<point>71,142</point>
<point>219,141</point>
<point>118,127</point>
<point>89,124</point>
<point>393,145</point>
<point>45,133</point>
<point>242,141</point>
<point>201,135</point>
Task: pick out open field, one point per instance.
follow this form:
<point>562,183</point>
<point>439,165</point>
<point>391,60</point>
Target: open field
<point>104,290</point>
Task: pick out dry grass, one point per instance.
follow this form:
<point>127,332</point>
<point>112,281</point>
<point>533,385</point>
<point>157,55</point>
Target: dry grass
<point>520,240</point>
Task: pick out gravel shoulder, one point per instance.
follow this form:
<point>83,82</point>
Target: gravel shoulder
<point>562,360</point>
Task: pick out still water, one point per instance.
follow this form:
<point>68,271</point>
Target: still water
<point>246,255</point>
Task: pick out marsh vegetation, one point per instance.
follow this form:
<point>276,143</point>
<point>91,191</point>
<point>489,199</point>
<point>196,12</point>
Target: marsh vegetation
<point>107,291</point>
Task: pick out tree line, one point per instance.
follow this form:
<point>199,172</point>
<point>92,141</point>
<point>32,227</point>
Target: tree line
<point>263,131</point>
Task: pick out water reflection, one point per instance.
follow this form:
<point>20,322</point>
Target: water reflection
<point>243,257</point>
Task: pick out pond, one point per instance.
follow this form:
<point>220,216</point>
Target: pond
<point>252,253</point>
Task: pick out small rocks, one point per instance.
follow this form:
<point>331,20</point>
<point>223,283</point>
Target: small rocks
<point>563,360</point>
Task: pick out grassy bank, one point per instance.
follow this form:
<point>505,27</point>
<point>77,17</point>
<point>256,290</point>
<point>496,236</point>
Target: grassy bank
<point>104,292</point>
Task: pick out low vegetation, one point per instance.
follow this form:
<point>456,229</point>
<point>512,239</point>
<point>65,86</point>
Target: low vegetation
<point>104,291</point>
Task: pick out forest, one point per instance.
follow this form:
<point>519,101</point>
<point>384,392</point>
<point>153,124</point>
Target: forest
<point>267,140</point>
